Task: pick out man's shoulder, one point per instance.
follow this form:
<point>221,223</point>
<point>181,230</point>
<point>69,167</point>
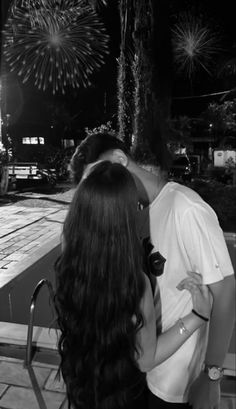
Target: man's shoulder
<point>181,195</point>
<point>180,200</point>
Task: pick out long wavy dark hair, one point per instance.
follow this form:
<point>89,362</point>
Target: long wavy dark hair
<point>99,288</point>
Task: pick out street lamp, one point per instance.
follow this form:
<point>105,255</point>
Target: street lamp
<point>4,174</point>
<point>8,116</point>
<point>210,149</point>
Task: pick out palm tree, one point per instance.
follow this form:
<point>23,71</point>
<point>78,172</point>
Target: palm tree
<point>153,48</point>
<point>146,100</point>
<point>125,80</point>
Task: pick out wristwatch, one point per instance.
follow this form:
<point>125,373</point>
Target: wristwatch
<point>214,373</point>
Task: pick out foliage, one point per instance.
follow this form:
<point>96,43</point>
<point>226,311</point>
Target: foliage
<point>65,123</point>
<point>221,118</point>
<point>180,132</point>
<point>36,153</point>
<point>211,191</point>
<point>107,127</point>
<point>230,164</point>
<point>3,157</point>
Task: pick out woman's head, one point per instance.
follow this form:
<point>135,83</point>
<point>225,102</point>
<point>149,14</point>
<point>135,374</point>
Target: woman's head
<point>100,283</point>
<point>104,207</point>
<point>91,149</point>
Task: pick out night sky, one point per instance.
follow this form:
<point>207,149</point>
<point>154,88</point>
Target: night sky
<point>29,105</point>
<point>221,18</point>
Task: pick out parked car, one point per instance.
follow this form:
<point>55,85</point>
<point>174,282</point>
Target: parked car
<point>23,174</point>
<point>181,169</point>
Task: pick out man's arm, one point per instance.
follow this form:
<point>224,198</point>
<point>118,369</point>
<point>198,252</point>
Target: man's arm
<point>153,349</point>
<point>204,393</point>
<point>222,320</point>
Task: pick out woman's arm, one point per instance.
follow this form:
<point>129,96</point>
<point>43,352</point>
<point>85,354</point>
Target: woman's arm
<point>156,349</point>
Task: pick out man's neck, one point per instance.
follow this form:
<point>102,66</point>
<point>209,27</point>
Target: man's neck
<point>149,184</point>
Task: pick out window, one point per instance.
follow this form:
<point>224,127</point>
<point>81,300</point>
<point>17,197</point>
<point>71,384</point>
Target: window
<point>33,140</point>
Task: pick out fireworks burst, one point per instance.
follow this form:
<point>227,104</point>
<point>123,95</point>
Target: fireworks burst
<point>194,44</point>
<point>57,46</point>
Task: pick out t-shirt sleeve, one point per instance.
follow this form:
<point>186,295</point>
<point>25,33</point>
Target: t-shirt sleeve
<point>205,244</point>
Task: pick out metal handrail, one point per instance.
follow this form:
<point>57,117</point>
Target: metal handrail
<point>34,297</point>
<point>28,358</point>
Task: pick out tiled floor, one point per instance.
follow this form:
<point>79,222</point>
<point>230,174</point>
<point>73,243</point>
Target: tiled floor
<point>16,390</point>
<point>25,228</point>
<point>23,232</point>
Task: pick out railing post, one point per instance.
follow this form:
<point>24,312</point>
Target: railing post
<point>28,358</point>
<point>34,297</point>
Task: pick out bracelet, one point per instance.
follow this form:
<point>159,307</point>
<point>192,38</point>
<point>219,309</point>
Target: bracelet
<point>200,316</point>
<point>182,328</point>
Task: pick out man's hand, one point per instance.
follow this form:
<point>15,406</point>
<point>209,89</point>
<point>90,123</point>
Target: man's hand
<point>204,393</point>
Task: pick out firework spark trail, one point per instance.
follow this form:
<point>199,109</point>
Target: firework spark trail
<point>36,8</point>
<point>55,3</point>
<point>60,48</point>
<point>194,45</point>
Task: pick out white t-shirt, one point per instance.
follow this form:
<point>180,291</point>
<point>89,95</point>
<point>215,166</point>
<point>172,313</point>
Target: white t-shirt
<point>185,230</point>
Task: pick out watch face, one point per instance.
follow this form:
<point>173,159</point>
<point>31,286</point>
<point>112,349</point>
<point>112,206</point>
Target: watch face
<point>214,373</point>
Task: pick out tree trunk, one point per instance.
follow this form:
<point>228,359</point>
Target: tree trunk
<point>142,72</point>
<point>125,74</point>
<point>152,75</point>
<point>4,174</point>
<point>144,80</point>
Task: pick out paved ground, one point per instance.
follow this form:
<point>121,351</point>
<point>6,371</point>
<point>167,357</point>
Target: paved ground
<point>16,390</point>
<point>25,227</point>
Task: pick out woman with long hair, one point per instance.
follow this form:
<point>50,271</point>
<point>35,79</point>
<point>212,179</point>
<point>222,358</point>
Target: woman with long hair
<point>104,300</point>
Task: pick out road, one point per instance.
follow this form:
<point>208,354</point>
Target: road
<point>42,196</point>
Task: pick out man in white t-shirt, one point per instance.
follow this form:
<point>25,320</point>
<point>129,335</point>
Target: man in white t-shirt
<point>186,235</point>
<point>185,231</point>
